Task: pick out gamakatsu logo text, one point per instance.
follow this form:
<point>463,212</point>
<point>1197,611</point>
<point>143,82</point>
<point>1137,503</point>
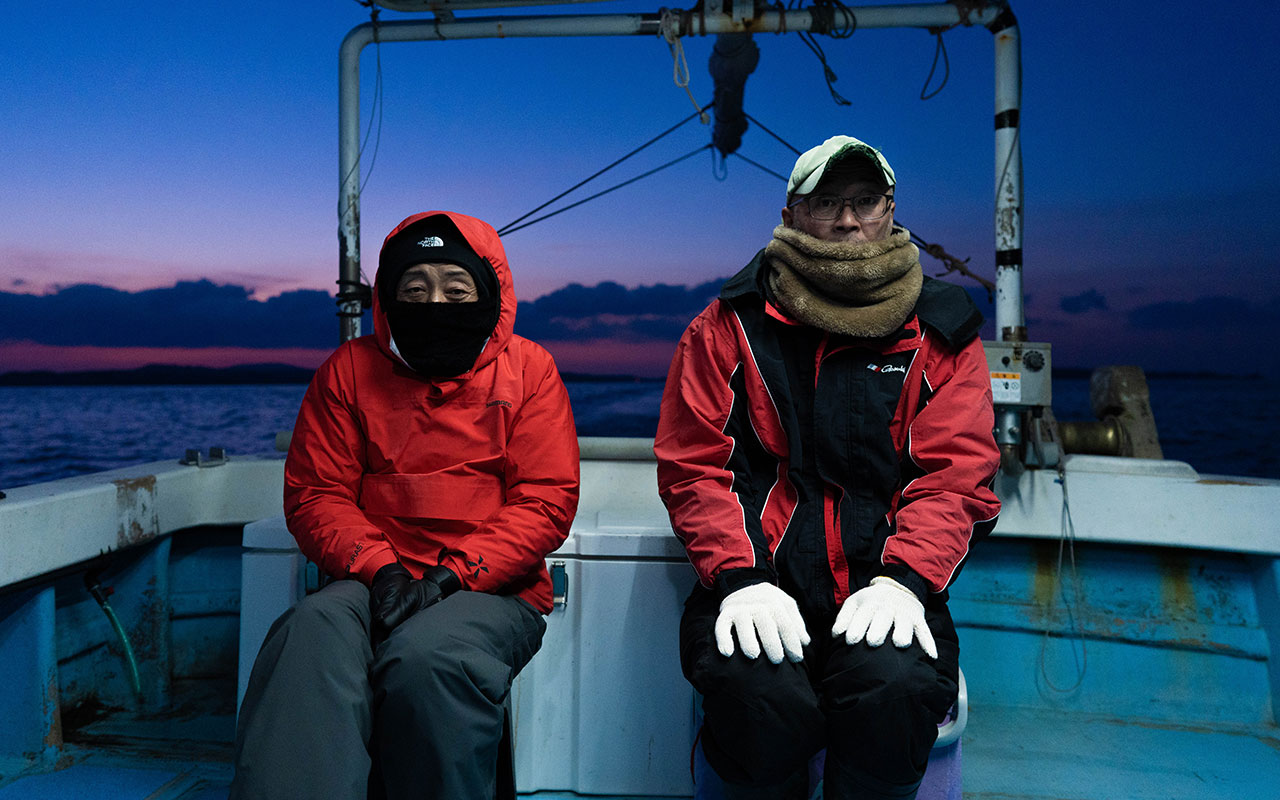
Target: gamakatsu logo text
<point>886,368</point>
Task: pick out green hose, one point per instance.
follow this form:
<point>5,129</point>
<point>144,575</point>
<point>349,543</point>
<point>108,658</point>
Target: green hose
<point>95,589</point>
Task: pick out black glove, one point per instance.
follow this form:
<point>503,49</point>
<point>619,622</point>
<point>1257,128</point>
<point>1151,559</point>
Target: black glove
<point>395,595</point>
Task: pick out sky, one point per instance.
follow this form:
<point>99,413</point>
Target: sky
<point>170,182</point>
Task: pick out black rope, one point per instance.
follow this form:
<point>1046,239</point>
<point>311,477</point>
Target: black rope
<point>952,263</point>
<point>509,229</point>
<point>761,126</point>
<point>946,75</point>
<point>720,168</point>
<point>827,73</point>
<point>824,16</point>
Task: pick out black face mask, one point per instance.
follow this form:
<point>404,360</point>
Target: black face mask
<point>442,339</point>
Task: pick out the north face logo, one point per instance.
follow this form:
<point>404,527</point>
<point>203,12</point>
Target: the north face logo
<point>431,241</point>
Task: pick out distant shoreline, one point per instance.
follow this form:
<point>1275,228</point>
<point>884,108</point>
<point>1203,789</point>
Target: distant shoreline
<point>175,375</point>
<point>1163,374</point>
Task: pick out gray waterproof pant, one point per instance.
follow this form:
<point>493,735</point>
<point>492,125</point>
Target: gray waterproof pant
<point>325,716</point>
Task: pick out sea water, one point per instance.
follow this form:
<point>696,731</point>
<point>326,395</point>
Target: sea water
<point>1224,426</point>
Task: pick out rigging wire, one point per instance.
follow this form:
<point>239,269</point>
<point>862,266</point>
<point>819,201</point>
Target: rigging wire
<point>954,264</point>
<point>761,126</point>
<point>760,166</point>
<point>509,226</point>
<point>1080,656</point>
<point>825,11</point>
<point>719,170</point>
<point>509,229</point>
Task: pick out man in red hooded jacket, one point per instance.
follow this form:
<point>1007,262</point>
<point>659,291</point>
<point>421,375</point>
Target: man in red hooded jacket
<point>432,468</point>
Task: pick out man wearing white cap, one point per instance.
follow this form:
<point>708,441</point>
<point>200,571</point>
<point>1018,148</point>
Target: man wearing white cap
<point>825,452</point>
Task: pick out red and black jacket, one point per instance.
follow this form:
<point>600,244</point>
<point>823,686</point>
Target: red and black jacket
<point>818,461</point>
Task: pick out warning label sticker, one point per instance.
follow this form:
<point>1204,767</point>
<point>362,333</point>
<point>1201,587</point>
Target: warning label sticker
<point>1006,387</point>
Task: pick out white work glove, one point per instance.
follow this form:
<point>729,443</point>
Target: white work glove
<point>761,610</point>
<point>883,606</point>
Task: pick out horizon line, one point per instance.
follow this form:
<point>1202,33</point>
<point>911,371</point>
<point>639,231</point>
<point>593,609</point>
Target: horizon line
<point>292,373</point>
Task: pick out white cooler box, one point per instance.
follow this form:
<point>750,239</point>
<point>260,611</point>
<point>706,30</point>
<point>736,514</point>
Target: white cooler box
<point>603,707</point>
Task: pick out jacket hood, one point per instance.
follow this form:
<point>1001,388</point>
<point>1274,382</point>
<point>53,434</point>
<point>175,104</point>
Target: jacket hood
<point>484,240</point>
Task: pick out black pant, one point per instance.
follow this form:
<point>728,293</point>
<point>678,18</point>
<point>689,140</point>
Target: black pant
<point>875,709</point>
<point>426,707</point>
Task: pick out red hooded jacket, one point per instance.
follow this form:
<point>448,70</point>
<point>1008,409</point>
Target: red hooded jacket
<point>477,473</point>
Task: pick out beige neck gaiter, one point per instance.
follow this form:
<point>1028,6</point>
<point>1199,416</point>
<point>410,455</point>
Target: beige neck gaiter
<point>864,289</point>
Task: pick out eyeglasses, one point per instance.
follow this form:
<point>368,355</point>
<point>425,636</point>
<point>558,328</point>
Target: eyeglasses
<point>866,207</point>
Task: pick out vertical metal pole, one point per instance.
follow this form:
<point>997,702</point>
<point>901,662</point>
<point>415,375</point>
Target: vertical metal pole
<point>1010,323</point>
<point>349,309</point>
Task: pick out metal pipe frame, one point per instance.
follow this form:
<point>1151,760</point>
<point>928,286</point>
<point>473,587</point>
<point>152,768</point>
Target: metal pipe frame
<point>1010,322</point>
<point>698,22</point>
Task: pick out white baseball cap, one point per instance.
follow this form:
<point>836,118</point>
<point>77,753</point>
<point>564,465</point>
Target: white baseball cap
<point>812,164</point>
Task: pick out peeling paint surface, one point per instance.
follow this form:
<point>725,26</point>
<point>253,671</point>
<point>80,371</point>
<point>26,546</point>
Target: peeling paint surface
<point>51,711</point>
<point>136,510</point>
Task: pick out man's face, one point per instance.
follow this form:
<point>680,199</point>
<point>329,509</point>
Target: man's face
<point>436,283</point>
<point>846,227</point>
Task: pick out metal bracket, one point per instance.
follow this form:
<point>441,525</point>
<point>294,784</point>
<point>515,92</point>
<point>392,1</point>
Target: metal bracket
<point>313,580</point>
<point>351,294</point>
<point>194,458</point>
<point>559,584</point>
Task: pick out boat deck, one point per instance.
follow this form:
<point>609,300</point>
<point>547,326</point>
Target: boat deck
<point>1034,753</point>
<point>1007,753</point>
<point>1174,697</point>
<point>179,754</point>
